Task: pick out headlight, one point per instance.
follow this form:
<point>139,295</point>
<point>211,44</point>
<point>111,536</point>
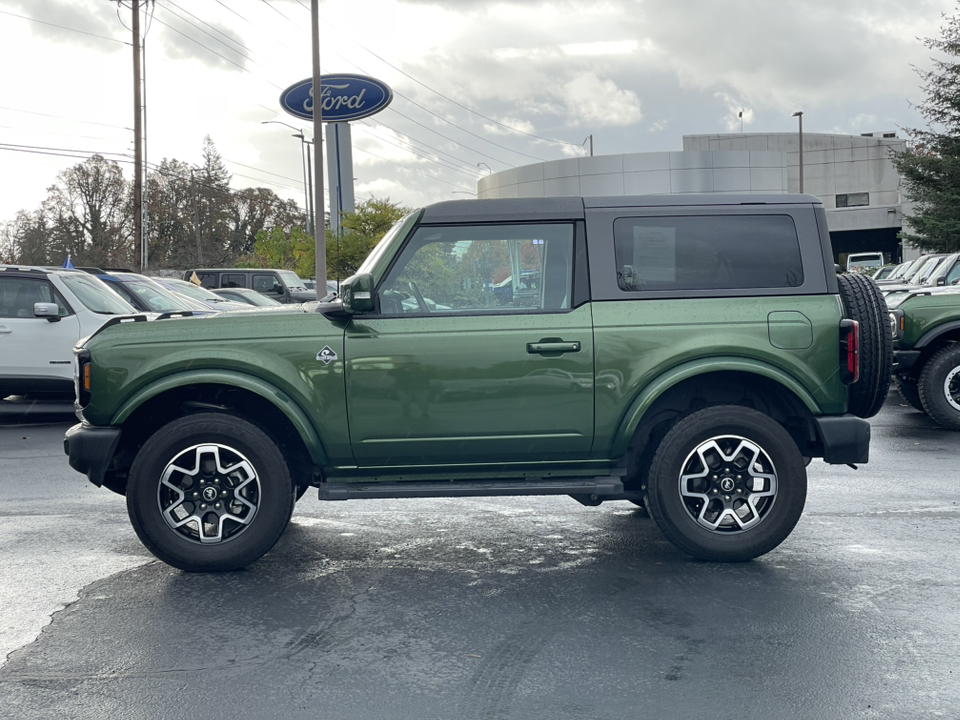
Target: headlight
<point>896,324</point>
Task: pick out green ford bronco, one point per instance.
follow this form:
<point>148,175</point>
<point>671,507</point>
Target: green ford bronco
<point>926,331</point>
<point>689,354</point>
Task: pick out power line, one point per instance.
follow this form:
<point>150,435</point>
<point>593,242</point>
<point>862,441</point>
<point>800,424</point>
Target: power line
<point>437,92</point>
<point>404,167</point>
<point>62,117</point>
<point>250,167</point>
<point>64,27</point>
<point>213,37</point>
<point>209,49</point>
<point>89,153</point>
<point>413,149</point>
<point>447,137</point>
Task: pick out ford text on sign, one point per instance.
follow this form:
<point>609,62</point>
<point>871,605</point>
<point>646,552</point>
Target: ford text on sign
<point>343,97</point>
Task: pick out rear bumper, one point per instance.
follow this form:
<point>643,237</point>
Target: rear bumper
<point>845,439</point>
<point>91,449</point>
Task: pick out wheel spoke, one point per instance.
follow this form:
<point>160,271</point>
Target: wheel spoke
<point>728,484</point>
<point>209,493</point>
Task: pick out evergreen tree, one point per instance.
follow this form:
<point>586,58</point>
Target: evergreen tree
<point>930,170</point>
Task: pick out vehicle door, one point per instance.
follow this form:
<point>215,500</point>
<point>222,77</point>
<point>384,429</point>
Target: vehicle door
<point>30,346</point>
<point>269,284</point>
<point>481,351</point>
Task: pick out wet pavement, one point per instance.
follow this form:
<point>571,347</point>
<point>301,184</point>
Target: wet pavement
<point>521,608</point>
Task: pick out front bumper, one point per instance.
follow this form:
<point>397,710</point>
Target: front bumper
<point>845,439</point>
<point>903,360</point>
<point>91,449</point>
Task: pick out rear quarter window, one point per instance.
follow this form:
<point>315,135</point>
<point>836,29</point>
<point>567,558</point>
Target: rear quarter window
<point>707,252</point>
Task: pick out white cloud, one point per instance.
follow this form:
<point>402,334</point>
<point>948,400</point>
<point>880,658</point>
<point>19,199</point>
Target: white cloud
<point>594,102</point>
<point>615,47</point>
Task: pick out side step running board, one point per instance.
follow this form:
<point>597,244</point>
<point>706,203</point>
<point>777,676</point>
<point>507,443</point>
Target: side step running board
<point>600,486</point>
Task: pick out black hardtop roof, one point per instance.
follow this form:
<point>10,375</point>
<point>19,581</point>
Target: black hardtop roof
<point>573,207</point>
<point>235,269</point>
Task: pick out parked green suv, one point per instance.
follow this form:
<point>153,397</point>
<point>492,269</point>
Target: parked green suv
<point>686,353</point>
<point>926,331</point>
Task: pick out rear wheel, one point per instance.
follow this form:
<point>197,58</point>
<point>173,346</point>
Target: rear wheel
<point>864,303</point>
<point>939,386</point>
<point>727,484</point>
<point>209,492</point>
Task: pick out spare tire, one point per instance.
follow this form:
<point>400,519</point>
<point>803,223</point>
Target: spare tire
<point>863,302</point>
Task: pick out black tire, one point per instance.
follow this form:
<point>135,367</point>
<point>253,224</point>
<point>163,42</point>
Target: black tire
<point>209,492</point>
<point>909,392</point>
<point>727,484</point>
<point>864,303</point>
<point>939,386</point>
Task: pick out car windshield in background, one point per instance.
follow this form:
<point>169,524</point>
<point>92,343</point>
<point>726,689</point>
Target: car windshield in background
<point>158,298</point>
<point>291,280</point>
<point>96,295</point>
<point>251,297</point>
<point>194,291</point>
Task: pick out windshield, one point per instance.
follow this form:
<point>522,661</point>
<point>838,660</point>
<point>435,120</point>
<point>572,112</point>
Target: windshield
<point>195,291</point>
<point>96,295</point>
<point>367,265</point>
<point>922,270</point>
<point>292,281</point>
<point>157,298</point>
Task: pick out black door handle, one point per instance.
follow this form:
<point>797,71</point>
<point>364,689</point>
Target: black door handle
<point>552,347</point>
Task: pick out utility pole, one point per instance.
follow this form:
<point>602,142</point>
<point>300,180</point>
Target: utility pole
<point>319,227</point>
<point>196,219</point>
<point>137,142</point>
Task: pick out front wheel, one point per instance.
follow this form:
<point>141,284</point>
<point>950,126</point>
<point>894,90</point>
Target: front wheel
<point>209,492</point>
<point>727,484</point>
<point>939,386</point>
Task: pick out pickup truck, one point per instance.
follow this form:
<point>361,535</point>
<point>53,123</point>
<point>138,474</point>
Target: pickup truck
<point>689,354</point>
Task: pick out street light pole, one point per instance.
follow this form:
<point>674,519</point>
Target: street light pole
<point>304,164</point>
<point>799,116</point>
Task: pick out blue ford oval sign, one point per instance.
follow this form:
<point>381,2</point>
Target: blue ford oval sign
<point>342,97</point>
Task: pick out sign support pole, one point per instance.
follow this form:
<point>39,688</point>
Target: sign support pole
<point>319,226</point>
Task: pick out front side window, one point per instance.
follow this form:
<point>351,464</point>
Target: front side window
<point>18,295</point>
<point>267,284</point>
<point>482,268</point>
<point>707,253</point>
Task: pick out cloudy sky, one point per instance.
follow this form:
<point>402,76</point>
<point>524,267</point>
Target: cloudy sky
<point>479,85</point>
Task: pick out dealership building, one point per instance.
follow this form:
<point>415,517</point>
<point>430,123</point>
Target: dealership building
<point>853,175</point>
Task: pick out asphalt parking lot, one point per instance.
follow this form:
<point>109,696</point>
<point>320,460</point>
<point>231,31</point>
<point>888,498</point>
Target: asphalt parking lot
<point>487,608</point>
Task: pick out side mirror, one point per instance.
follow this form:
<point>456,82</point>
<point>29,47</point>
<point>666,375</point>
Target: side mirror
<point>356,294</point>
<point>941,281</point>
<point>50,311</point>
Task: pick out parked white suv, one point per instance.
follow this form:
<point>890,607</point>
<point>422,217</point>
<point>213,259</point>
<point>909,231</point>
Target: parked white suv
<point>43,313</point>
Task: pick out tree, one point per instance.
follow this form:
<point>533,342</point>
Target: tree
<point>171,234</point>
<point>276,248</point>
<point>90,214</point>
<point>362,230</point>
<point>930,170</point>
<point>256,209</point>
<point>24,240</point>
